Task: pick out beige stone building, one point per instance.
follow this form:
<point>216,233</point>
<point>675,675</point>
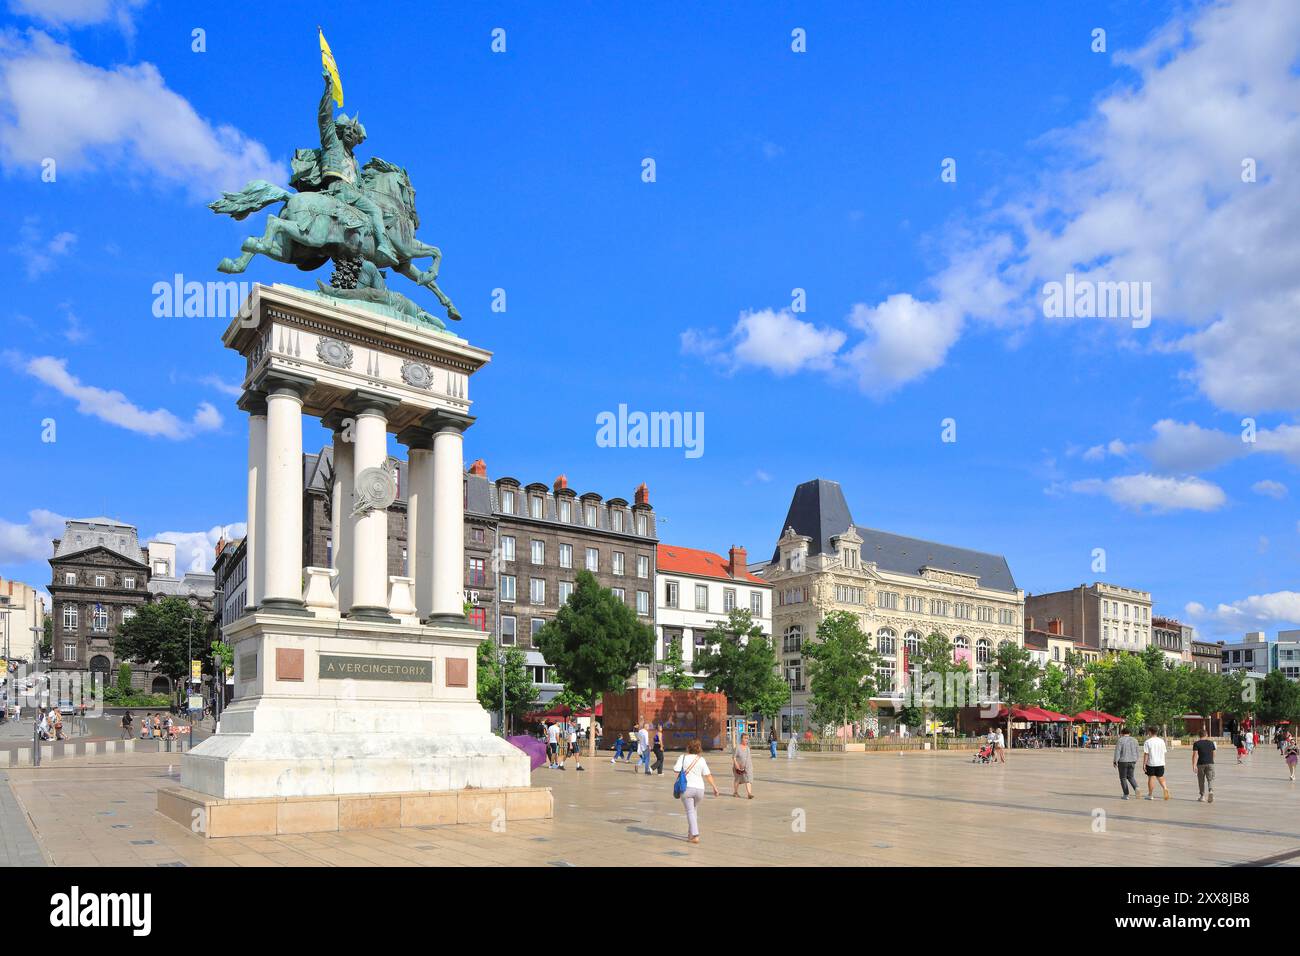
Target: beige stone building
<point>22,621</point>
<point>902,589</point>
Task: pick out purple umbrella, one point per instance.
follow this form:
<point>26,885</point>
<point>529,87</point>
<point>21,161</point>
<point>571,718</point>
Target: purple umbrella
<point>535,749</point>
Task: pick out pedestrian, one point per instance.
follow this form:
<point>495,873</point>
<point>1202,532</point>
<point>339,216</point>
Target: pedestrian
<point>146,725</point>
<point>742,768</point>
<point>1290,753</point>
<point>126,725</point>
<point>697,773</point>
<point>157,725</point>
<point>1000,747</point>
<point>1239,742</point>
<point>573,745</point>
<point>658,749</point>
<point>1153,762</point>
<point>552,745</point>
<point>58,725</point>
<point>1203,767</point>
<point>1252,739</point>
<point>643,748</point>
<point>791,745</point>
<point>618,751</point>
<point>1125,759</point>
<point>771,741</point>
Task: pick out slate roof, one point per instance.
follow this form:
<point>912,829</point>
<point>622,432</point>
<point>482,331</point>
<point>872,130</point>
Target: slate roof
<point>819,511</point>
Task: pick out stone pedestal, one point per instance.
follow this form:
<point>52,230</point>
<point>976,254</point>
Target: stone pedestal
<point>343,693</point>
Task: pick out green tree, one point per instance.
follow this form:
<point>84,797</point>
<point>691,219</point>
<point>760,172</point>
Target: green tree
<point>47,639</point>
<point>939,675</point>
<point>674,676</point>
<point>1205,691</point>
<point>1124,685</point>
<point>124,679</point>
<point>595,642</point>
<point>1279,698</point>
<point>520,691</point>
<point>841,670</point>
<point>1170,694</point>
<point>1018,677</point>
<point>159,634</point>
<point>739,660</point>
<point>1239,691</point>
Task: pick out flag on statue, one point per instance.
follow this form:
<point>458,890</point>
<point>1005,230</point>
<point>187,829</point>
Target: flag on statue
<point>327,61</point>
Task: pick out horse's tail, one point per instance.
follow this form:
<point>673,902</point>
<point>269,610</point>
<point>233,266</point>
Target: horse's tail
<point>256,195</point>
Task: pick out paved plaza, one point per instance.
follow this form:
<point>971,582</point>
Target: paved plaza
<point>1042,808</point>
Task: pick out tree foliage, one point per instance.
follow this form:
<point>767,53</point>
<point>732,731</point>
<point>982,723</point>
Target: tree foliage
<point>841,670</point>
<point>520,692</point>
<point>159,634</point>
<point>674,676</point>
<point>739,660</point>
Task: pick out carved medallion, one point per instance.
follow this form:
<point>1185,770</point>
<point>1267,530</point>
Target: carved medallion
<point>375,490</point>
<point>417,374</point>
<point>333,352</point>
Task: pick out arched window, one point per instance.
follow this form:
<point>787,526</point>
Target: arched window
<point>912,643</point>
<point>100,664</point>
<point>886,641</point>
<point>161,686</point>
<point>792,641</point>
<point>982,650</point>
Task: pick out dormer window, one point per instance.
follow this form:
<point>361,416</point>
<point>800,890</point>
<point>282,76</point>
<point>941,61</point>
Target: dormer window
<point>507,502</point>
<point>535,506</point>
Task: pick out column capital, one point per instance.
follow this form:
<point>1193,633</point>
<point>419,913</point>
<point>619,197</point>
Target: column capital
<point>274,380</point>
<point>361,400</point>
<point>442,420</point>
<point>416,438</point>
<point>253,402</point>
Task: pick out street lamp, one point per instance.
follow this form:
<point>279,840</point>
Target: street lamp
<point>194,603</point>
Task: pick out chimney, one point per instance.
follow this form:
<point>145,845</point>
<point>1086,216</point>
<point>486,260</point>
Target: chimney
<point>737,563</point>
<point>478,468</point>
<point>1054,626</point>
<point>561,483</point>
<point>642,495</point>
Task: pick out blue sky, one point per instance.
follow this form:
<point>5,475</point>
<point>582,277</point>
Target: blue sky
<point>775,171</point>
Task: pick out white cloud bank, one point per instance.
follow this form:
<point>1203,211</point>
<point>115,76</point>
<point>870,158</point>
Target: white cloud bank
<point>1155,493</point>
<point>1255,613</point>
<point>1148,188</point>
<point>87,118</point>
<point>197,549</point>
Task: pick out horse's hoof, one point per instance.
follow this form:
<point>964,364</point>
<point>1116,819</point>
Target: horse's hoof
<point>453,315</point>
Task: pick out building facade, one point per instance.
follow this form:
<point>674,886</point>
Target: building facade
<point>101,577</point>
<point>1051,645</point>
<point>1284,654</point>
<point>1250,655</point>
<point>22,621</point>
<point>524,545</point>
<point>1103,616</point>
<point>1206,656</point>
<point>697,589</point>
<point>901,589</point>
<point>1169,635</point>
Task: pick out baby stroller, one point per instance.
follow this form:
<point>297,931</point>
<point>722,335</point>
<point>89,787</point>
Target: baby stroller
<point>983,755</point>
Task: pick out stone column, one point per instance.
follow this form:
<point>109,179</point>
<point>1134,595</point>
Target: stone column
<point>341,501</point>
<point>280,521</point>
<point>419,516</point>
<point>448,518</point>
<point>370,530</point>
<point>255,539</point>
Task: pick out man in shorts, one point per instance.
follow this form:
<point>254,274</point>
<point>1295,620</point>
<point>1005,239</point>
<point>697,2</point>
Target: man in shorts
<point>552,746</point>
<point>573,746</point>
<point>1153,762</point>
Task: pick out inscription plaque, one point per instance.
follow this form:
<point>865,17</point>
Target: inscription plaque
<point>335,667</point>
<point>247,667</point>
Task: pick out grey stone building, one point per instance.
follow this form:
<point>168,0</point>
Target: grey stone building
<point>524,546</point>
<point>101,575</point>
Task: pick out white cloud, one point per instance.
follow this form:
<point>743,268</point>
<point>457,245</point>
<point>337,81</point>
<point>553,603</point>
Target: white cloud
<point>904,339</point>
<point>87,118</point>
<point>113,407</point>
<point>221,385</point>
<point>196,550</point>
<point>1157,493</point>
<point>1114,447</point>
<point>1149,189</point>
<point>1257,612</point>
<point>39,252</point>
<point>777,341</point>
<point>1270,488</point>
<point>1187,447</point>
<point>32,541</point>
<point>79,13</point>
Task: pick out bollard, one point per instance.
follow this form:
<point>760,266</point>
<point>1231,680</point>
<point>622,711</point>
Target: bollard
<point>36,744</point>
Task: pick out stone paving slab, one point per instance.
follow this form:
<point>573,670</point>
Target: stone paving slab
<point>1040,809</point>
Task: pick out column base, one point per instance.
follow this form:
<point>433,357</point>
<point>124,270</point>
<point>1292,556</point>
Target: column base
<point>448,619</point>
<point>363,612</point>
<point>284,606</point>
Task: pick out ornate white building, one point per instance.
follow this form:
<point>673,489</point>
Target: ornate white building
<point>901,588</point>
